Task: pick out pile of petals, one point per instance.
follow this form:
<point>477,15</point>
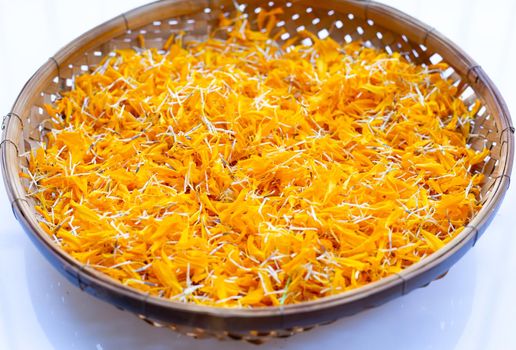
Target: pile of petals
<point>240,172</point>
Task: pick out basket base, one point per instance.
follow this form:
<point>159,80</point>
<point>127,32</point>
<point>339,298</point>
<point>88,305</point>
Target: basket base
<point>253,337</point>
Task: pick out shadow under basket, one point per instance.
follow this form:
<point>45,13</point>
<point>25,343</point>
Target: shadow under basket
<point>345,21</point>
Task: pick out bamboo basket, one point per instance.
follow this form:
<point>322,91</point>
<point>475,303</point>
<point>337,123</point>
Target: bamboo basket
<point>25,126</point>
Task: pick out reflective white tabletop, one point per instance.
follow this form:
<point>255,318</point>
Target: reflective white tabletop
<point>473,307</point>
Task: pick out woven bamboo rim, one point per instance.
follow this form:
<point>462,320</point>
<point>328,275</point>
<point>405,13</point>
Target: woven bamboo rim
<point>398,31</point>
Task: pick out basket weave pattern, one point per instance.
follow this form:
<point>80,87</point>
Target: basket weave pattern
<point>375,25</point>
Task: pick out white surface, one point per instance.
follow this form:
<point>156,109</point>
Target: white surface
<point>472,308</point>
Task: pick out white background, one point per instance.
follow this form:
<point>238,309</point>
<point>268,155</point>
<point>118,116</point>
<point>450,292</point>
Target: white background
<point>473,307</point>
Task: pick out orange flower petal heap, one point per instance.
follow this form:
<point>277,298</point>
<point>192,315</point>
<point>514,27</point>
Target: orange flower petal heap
<point>238,172</point>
